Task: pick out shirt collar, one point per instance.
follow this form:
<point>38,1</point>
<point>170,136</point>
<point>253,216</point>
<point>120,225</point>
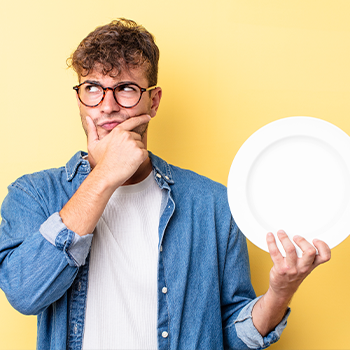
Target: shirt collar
<point>162,168</point>
<point>77,164</point>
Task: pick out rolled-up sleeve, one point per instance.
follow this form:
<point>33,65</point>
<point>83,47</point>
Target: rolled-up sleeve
<point>75,247</point>
<point>247,332</point>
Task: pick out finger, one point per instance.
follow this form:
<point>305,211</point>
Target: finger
<point>140,144</point>
<point>324,252</point>
<point>136,136</point>
<point>275,253</point>
<point>134,122</point>
<point>288,246</point>
<point>92,135</point>
<point>145,154</point>
<point>309,251</point>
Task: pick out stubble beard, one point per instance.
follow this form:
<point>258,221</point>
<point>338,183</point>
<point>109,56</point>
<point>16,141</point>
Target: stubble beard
<point>141,130</point>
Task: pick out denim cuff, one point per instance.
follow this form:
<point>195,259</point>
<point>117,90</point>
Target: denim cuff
<point>75,247</point>
<point>247,332</point>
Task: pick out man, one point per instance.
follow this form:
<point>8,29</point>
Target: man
<point>120,250</point>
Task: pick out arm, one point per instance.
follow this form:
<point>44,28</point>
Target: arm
<point>40,254</point>
<point>285,277</point>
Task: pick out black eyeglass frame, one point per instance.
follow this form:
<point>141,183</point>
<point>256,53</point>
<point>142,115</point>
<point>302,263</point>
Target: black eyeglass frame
<point>76,88</point>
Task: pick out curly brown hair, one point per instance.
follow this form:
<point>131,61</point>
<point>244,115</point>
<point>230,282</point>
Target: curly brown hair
<point>121,44</point>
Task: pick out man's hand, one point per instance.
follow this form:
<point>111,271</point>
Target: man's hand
<point>120,153</point>
<point>286,276</point>
<point>288,272</point>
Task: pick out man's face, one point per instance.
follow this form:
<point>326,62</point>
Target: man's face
<point>109,114</point>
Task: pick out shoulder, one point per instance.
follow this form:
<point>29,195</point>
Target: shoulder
<point>198,191</point>
<point>54,177</point>
<point>52,184</point>
<point>191,187</point>
<point>196,181</point>
<point>187,180</point>
<point>38,177</point>
<point>39,183</point>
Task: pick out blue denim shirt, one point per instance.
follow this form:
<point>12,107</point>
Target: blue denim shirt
<point>203,262</point>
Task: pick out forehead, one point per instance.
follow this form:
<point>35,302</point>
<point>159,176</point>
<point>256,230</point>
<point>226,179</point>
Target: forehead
<point>137,75</point>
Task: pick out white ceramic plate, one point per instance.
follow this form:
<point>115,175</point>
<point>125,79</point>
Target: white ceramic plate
<point>293,174</point>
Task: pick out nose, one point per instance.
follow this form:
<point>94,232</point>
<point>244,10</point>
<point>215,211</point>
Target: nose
<point>109,104</point>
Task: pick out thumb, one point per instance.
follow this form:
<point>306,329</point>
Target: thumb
<point>92,136</point>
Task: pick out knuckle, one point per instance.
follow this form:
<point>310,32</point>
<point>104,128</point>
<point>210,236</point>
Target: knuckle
<point>290,249</point>
<point>139,152</point>
<point>304,270</point>
<point>293,272</point>
<point>121,132</point>
<point>290,271</point>
<point>298,239</point>
<point>310,251</point>
<point>282,271</point>
<point>274,251</point>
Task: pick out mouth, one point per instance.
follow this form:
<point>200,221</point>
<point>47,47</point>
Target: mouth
<point>109,125</point>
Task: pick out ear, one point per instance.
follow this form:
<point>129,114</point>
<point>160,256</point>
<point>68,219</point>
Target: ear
<point>156,95</point>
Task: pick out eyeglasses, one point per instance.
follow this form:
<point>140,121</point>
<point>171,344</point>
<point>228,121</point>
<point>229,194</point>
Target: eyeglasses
<point>127,95</point>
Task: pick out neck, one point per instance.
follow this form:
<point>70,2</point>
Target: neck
<point>141,173</point>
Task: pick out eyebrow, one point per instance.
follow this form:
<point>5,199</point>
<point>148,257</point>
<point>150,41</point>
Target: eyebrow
<point>92,82</point>
<point>99,83</point>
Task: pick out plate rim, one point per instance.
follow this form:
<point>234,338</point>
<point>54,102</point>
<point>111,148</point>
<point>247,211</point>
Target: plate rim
<point>286,127</point>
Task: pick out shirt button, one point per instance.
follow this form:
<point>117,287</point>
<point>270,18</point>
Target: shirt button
<point>165,334</point>
<point>161,248</point>
<point>167,177</point>
<point>158,175</point>
<point>164,290</point>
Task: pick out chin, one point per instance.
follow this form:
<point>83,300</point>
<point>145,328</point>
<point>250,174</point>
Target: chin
<point>102,133</point>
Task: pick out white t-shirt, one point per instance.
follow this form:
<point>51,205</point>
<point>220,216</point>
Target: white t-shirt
<point>121,310</point>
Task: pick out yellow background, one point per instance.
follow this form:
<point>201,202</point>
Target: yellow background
<point>227,68</point>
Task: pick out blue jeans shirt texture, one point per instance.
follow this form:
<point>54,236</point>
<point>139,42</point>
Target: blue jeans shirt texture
<point>203,262</point>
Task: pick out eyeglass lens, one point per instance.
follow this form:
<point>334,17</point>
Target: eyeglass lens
<point>127,95</point>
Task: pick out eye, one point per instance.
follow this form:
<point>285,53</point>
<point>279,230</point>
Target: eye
<point>127,88</point>
<point>90,88</point>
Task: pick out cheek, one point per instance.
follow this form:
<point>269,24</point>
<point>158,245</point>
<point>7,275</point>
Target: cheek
<point>83,122</point>
<point>144,106</point>
<point>83,114</point>
<point>84,111</point>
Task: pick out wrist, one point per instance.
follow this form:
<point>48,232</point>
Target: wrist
<point>105,181</point>
<point>280,298</point>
